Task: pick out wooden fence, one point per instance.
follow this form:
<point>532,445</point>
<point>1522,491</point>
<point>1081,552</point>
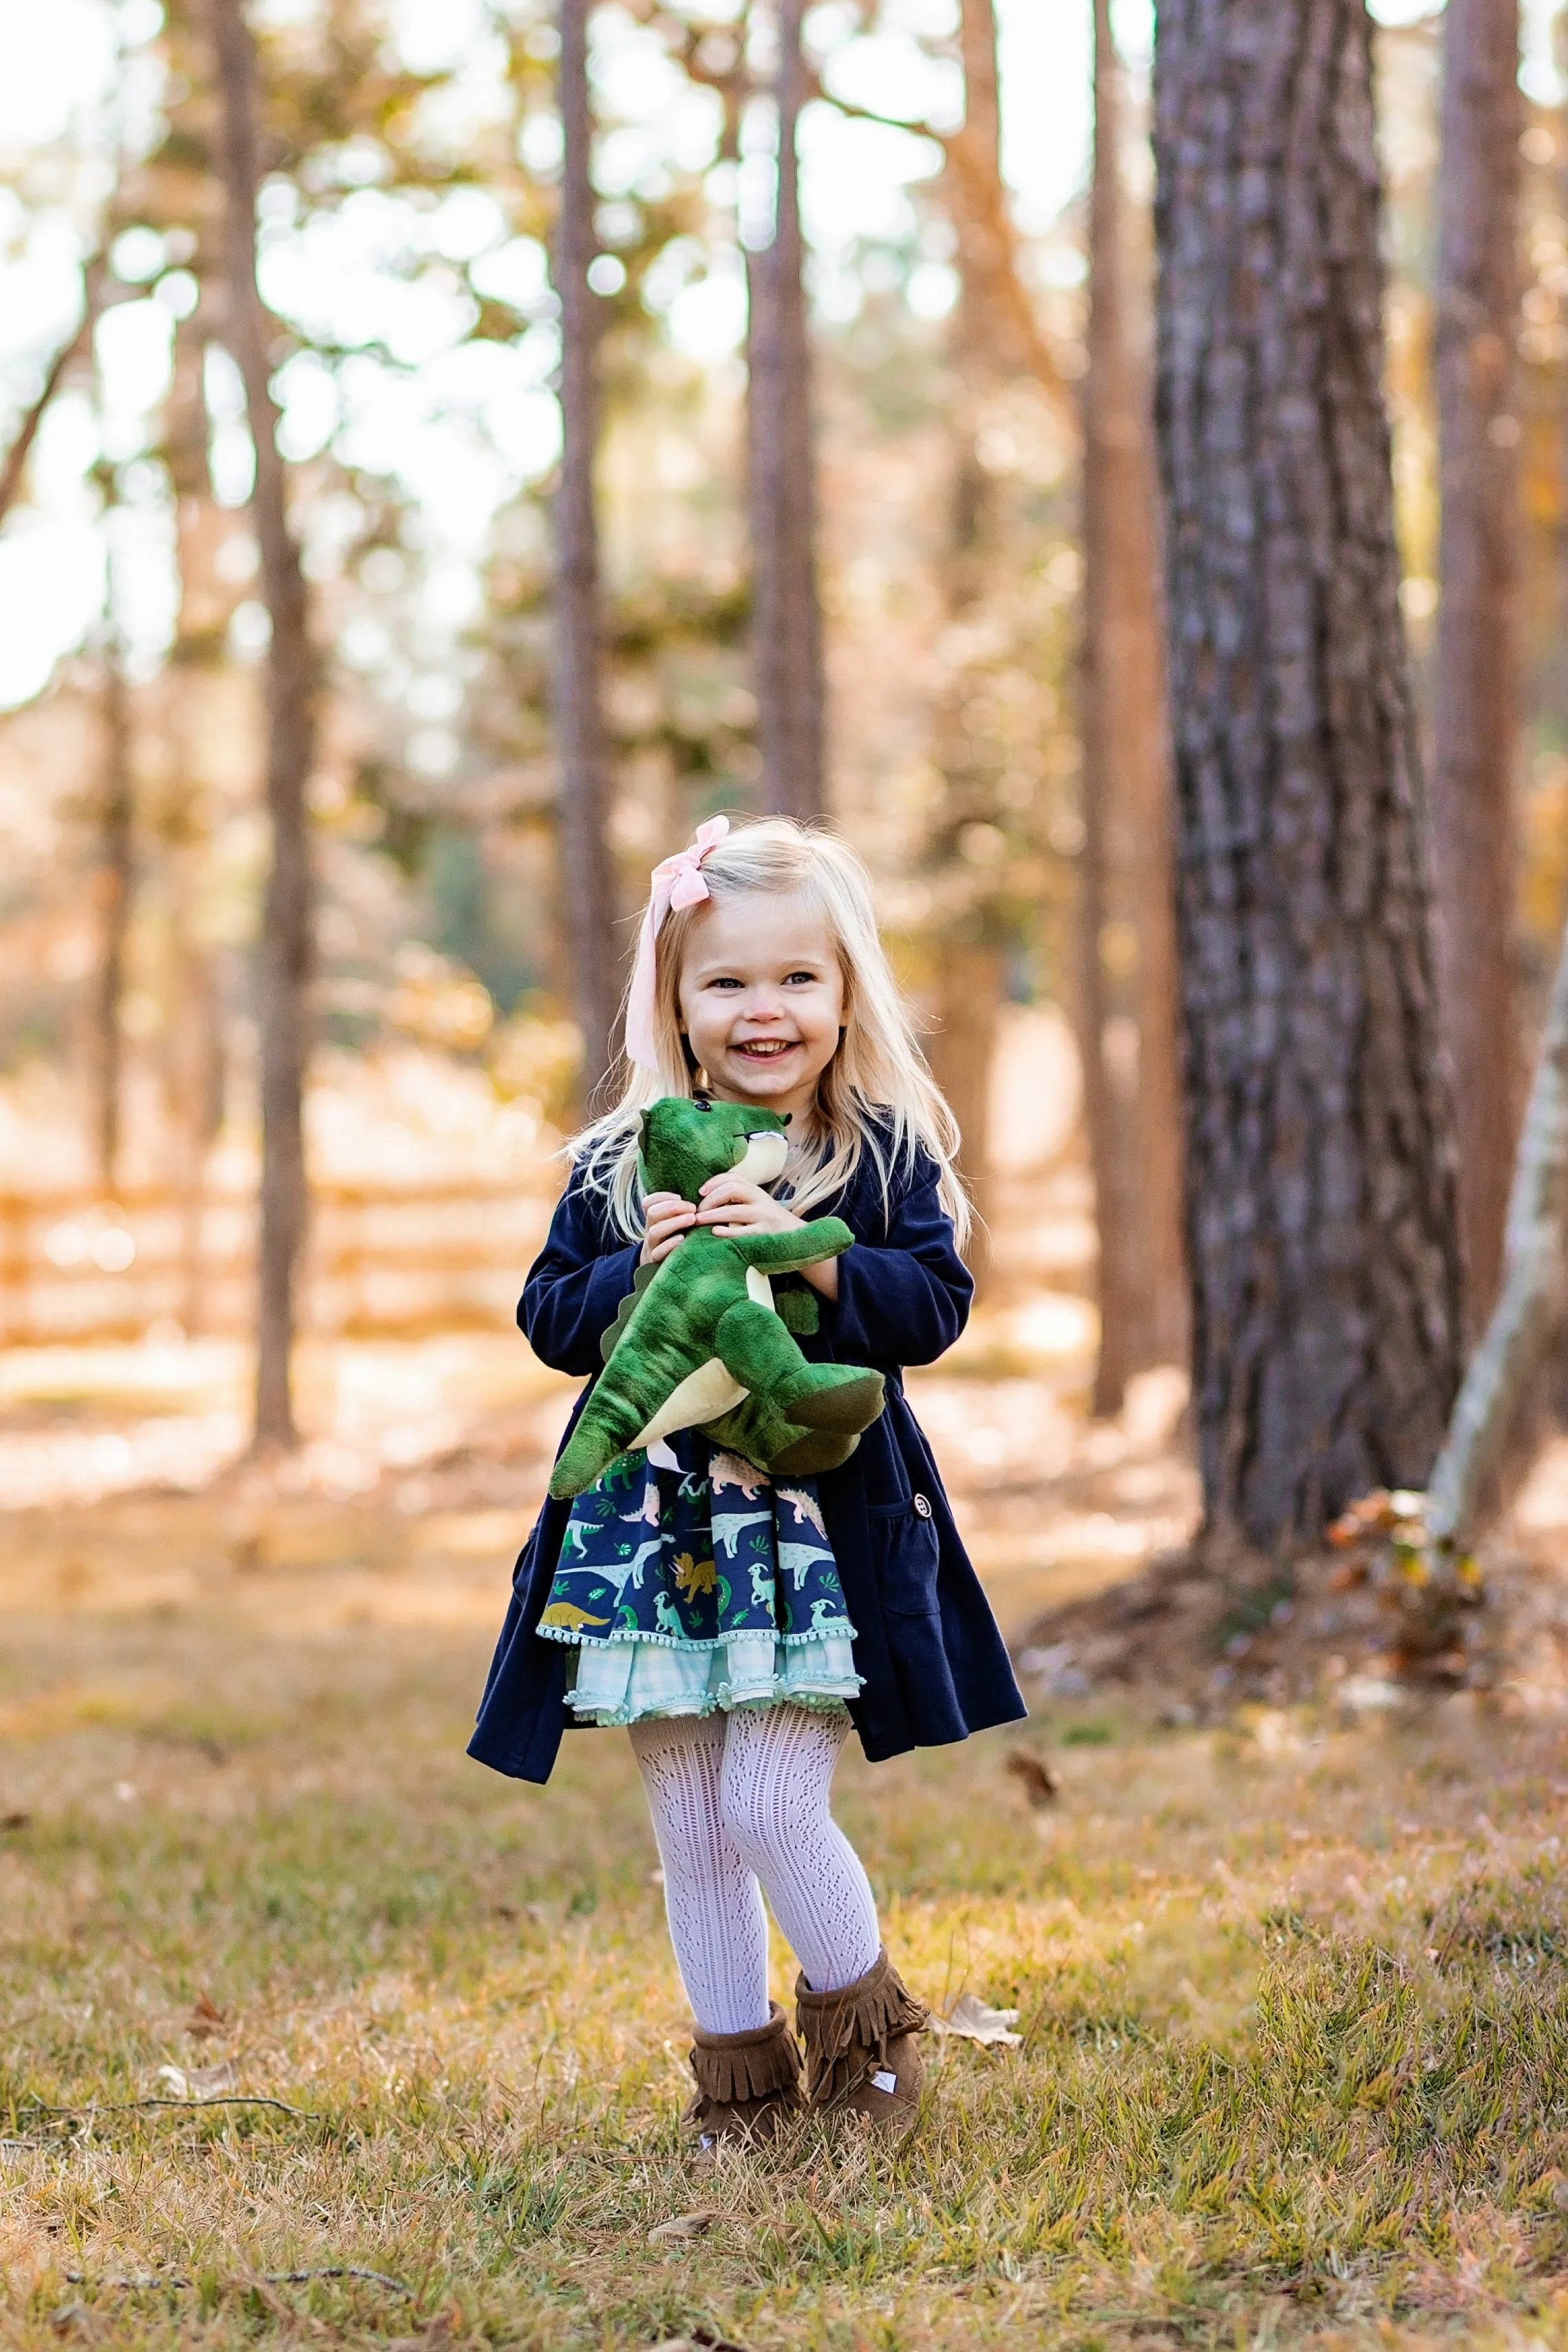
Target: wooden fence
<point>393,1258</point>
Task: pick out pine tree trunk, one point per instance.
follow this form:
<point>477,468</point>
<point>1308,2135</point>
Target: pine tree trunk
<point>988,346</point>
<point>287,955</point>
<point>1476,673</point>
<point>1126,784</point>
<point>961,1050</point>
<point>115,880</point>
<point>587,875</point>
<point>787,625</point>
<point>194,1054</point>
<point>1111,1158</point>
<point>1321,1228</point>
<point>987,240</point>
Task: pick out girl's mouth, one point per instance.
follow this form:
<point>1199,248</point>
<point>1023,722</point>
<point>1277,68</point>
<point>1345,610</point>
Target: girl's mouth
<point>765,1049</point>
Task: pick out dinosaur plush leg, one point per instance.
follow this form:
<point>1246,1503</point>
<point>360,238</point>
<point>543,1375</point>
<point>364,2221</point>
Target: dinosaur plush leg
<point>759,1433</point>
<point>753,1345</point>
<point>811,1453</point>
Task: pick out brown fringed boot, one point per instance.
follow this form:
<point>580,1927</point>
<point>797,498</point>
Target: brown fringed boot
<point>746,2083</point>
<point>862,2056</point>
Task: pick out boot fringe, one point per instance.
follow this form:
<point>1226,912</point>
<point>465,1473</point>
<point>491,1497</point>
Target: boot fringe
<point>732,2068</point>
<point>846,2033</point>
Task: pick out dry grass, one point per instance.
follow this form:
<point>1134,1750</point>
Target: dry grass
<point>1295,2000</point>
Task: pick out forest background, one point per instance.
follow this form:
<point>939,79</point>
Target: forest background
<point>984,525</point>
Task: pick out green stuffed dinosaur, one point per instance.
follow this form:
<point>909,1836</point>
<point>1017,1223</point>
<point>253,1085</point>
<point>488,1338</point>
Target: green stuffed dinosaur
<point>700,1343</point>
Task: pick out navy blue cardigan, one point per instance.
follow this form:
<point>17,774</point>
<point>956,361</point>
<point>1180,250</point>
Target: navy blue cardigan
<point>934,1664</point>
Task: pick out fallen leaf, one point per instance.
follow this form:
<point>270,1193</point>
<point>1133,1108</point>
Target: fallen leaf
<point>14,1820</point>
<point>207,2018</point>
<point>683,2225</point>
<point>199,2082</point>
<point>970,2017</point>
<point>1038,1783</point>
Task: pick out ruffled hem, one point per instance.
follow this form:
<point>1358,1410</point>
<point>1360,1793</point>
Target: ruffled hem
<point>632,1680</point>
<point>633,1637</point>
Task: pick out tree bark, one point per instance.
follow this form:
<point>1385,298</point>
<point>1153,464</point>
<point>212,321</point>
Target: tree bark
<point>1476,674</point>
<point>1529,1306</point>
<point>1321,1228</point>
<point>787,623</point>
<point>1135,1147</point>
<point>587,871</point>
<point>286,957</point>
<point>115,882</point>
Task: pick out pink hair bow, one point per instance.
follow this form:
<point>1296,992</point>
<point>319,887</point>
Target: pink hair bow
<point>678,881</point>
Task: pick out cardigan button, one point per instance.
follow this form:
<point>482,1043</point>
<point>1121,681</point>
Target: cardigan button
<point>923,1506</point>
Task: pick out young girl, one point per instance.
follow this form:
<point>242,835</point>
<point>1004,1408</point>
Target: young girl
<point>760,980</point>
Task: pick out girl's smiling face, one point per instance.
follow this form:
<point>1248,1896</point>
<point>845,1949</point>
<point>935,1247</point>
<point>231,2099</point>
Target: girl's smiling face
<point>762,998</point>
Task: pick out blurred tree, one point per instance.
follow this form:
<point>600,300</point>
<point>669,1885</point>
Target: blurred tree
<point>115,879</point>
<point>980,831</point>
<point>1476,676</point>
<point>787,622</point>
<point>193,1059</point>
<point>1127,910</point>
<point>287,942</point>
<point>1324,1253</point>
<point>587,875</point>
<point>13,470</point>
<point>1469,1475</point>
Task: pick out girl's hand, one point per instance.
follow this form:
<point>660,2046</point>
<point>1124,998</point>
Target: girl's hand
<point>668,1219</point>
<point>733,1206</point>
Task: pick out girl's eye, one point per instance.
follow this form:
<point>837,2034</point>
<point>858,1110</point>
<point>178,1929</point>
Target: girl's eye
<point>808,977</point>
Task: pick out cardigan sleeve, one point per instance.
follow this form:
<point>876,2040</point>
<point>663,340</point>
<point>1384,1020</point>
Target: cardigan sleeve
<point>904,1298</point>
<point>575,1285</point>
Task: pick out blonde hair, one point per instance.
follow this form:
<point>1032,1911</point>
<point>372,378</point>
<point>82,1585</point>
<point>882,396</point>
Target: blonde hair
<point>876,1099</point>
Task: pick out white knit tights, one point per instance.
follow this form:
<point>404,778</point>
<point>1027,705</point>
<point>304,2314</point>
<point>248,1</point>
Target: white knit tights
<point>740,1798</point>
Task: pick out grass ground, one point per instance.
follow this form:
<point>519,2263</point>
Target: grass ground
<point>1295,2000</point>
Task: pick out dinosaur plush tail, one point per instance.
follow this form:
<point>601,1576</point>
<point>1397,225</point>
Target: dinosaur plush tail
<point>606,1428</point>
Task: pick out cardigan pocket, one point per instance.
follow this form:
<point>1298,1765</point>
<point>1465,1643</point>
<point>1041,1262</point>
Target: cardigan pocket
<point>906,1556</point>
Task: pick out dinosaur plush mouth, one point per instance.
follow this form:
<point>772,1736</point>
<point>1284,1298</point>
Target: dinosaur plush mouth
<point>764,1157</point>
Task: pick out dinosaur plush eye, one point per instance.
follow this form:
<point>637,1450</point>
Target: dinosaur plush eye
<point>702,1102</point>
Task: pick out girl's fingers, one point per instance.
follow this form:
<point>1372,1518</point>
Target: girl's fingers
<point>671,1218</point>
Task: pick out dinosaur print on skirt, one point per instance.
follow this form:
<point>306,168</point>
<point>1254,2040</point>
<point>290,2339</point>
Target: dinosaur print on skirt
<point>683,1590</point>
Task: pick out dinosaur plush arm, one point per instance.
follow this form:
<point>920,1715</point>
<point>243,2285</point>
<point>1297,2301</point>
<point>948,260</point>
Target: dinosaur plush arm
<point>796,1308</point>
<point>787,1252</point>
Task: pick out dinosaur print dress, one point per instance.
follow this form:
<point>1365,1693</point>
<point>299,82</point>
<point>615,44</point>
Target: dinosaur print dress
<point>690,1583</point>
